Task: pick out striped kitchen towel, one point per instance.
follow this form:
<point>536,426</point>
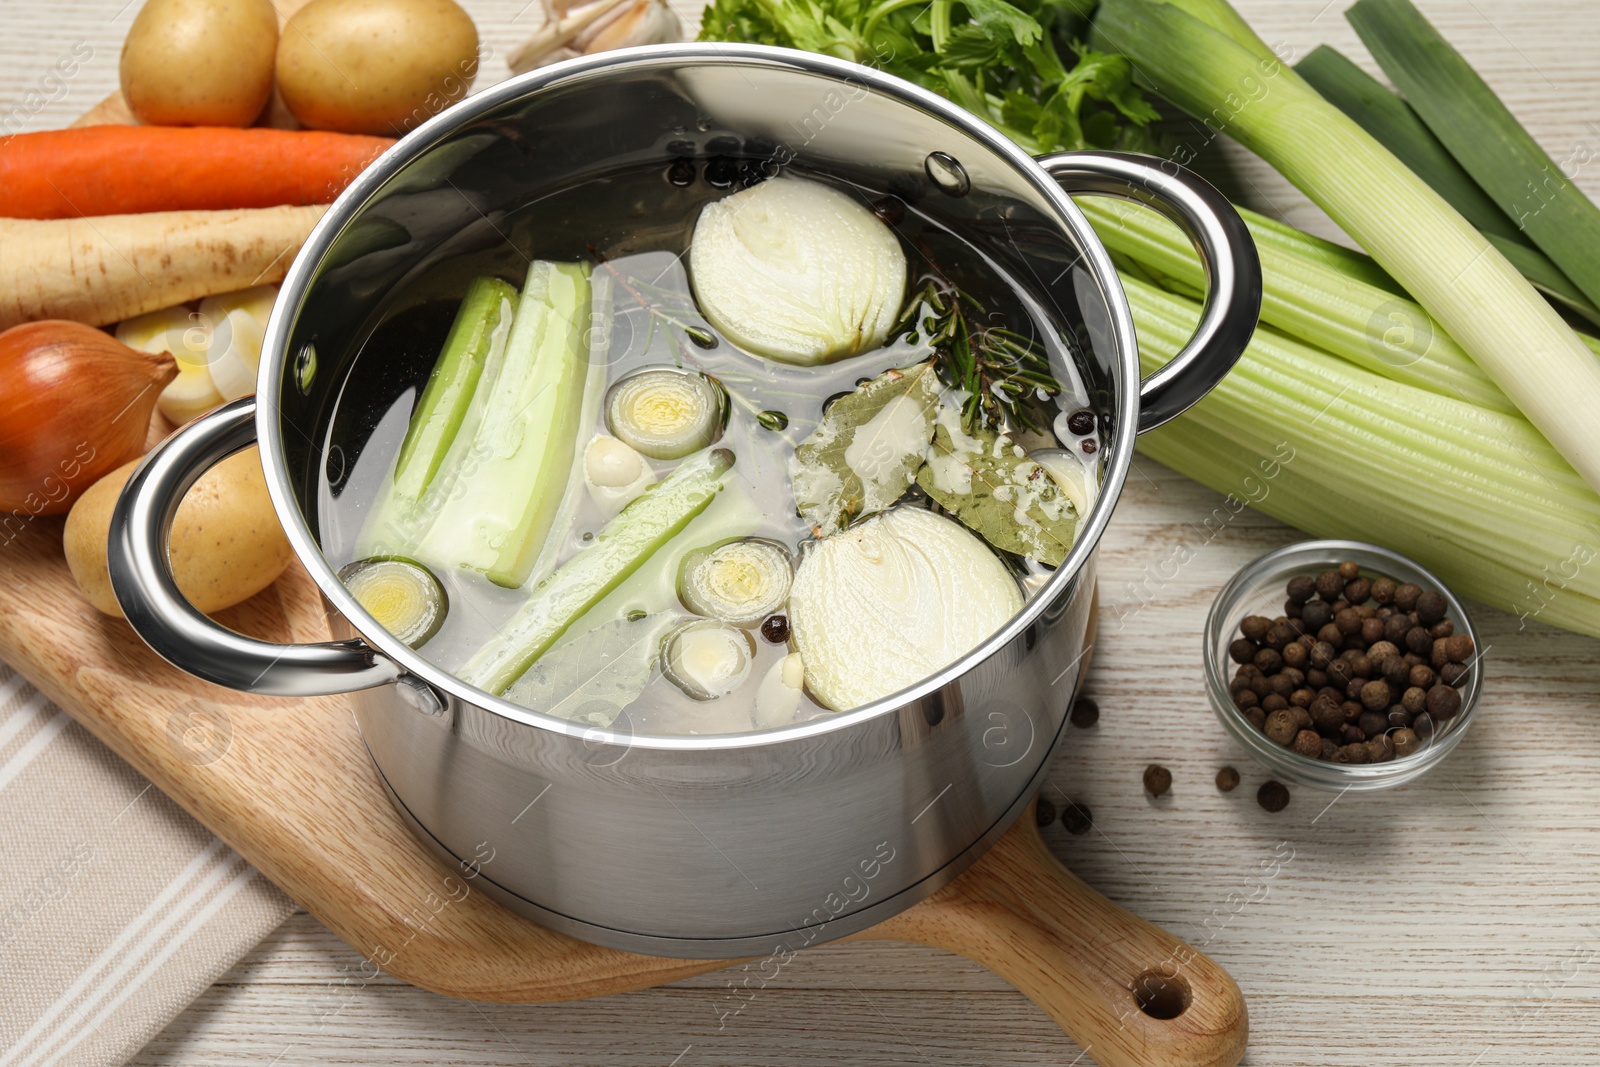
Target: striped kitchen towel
<point>116,908</point>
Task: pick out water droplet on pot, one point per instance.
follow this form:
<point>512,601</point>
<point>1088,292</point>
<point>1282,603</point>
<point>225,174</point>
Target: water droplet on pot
<point>945,171</point>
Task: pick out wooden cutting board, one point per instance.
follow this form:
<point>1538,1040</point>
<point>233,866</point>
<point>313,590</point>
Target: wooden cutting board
<point>288,783</point>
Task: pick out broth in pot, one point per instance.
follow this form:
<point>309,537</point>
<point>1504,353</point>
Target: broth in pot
<point>719,448</point>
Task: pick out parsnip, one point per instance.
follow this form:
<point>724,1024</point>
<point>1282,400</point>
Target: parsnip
<point>108,268</point>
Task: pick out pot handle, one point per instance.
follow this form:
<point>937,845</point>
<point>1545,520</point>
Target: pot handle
<point>141,577</point>
<point>1227,252</point>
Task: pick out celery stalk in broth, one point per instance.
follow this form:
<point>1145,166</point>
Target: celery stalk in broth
<point>521,455</point>
<point>477,338</point>
<point>577,585</point>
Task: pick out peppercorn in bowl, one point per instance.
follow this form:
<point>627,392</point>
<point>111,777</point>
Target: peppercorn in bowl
<point>1342,665</point>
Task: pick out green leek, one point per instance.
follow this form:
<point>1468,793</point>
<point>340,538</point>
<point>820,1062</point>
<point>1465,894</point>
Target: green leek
<point>1477,496</point>
<point>1235,81</point>
<point>1396,126</point>
<point>1484,137</point>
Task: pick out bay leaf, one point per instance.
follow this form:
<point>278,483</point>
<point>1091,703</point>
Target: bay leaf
<point>1005,498</point>
<point>865,452</point>
<point>591,677</point>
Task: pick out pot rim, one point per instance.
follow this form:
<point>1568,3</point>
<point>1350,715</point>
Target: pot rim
<point>348,207</point>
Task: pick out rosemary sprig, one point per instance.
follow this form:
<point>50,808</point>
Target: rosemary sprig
<point>1002,372</point>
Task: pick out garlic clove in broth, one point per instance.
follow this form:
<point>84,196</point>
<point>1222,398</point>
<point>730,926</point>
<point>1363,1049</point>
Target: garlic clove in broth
<point>797,271</point>
<point>615,474</point>
<point>889,601</point>
<point>780,692</point>
<point>1074,477</point>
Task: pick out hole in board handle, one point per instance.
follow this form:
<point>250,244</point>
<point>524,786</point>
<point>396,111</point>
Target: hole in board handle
<point>1160,995</point>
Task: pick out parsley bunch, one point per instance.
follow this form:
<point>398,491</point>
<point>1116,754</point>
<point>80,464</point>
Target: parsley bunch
<point>1020,66</point>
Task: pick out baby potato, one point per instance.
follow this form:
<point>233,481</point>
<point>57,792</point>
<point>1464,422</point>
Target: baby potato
<point>200,62</point>
<point>226,543</point>
<point>375,66</point>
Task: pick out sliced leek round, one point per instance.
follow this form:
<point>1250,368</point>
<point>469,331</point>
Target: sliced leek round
<point>740,581</point>
<point>666,413</point>
<point>707,659</point>
<point>403,596</point>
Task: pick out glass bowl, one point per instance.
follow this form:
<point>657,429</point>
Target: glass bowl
<point>1258,589</point>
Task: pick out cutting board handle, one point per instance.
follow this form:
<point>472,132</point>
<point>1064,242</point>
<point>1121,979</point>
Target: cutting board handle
<point>1130,993</point>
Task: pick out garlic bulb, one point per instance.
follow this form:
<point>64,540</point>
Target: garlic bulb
<point>576,28</point>
<point>889,601</point>
<point>797,271</point>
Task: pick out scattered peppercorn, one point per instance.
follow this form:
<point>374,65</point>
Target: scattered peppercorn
<point>1227,779</point>
<point>1076,818</point>
<point>1085,712</point>
<point>1157,779</point>
<point>1044,812</point>
<point>1354,661</point>
<point>1081,422</point>
<point>1273,795</point>
<point>776,629</point>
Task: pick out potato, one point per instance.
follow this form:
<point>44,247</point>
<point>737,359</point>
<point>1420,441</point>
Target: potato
<point>200,62</point>
<point>375,66</point>
<point>226,543</point>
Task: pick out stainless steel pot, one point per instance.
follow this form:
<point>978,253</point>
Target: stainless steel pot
<point>686,845</point>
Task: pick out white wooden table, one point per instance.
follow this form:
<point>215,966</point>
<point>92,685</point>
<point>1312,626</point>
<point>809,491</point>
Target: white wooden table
<point>1454,922</point>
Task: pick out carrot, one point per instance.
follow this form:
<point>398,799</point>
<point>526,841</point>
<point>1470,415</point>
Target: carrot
<point>119,170</point>
<point>103,270</point>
